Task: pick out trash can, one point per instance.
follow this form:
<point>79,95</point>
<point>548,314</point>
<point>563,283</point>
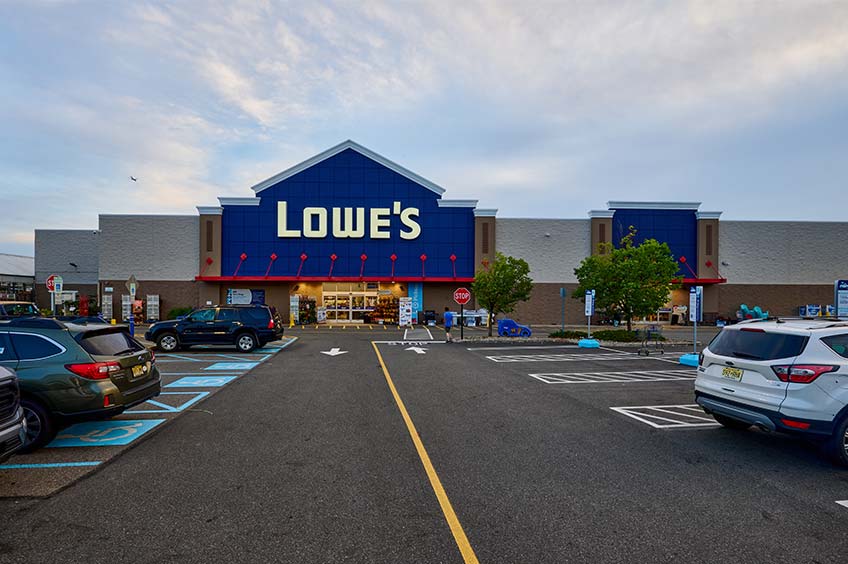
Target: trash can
<point>675,318</point>
<point>430,317</point>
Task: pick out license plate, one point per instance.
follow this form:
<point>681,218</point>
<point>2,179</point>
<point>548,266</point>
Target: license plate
<point>137,370</point>
<point>732,373</point>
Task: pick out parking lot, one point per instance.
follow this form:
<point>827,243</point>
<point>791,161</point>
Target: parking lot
<point>353,445</point>
<point>188,378</point>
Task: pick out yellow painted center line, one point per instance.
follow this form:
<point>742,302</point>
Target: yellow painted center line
<point>450,516</point>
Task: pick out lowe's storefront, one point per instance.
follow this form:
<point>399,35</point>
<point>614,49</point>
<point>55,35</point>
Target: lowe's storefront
<point>346,236</point>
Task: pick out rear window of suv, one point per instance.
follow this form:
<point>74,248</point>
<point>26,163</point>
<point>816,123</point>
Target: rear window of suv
<point>838,344</point>
<point>757,344</point>
<point>256,315</point>
<point>112,343</point>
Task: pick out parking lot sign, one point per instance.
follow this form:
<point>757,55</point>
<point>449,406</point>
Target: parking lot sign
<point>696,300</point>
<point>840,298</point>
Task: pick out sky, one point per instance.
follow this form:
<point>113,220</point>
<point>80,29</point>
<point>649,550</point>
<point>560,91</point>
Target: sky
<point>539,109</point>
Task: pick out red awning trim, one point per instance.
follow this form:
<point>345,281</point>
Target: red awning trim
<point>702,281</point>
<point>326,279</point>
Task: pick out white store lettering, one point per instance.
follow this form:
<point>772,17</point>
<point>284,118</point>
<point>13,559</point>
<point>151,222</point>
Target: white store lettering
<point>349,223</point>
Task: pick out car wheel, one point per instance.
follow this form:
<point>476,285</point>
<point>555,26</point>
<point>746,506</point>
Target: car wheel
<point>167,342</point>
<point>245,342</point>
<point>40,426</point>
<point>837,446</point>
<point>525,333</point>
<point>731,423</point>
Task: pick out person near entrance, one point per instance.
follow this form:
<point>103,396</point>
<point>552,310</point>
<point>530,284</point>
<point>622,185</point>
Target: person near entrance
<point>448,325</point>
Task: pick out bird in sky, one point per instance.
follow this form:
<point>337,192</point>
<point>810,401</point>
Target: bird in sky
<point>133,178</point>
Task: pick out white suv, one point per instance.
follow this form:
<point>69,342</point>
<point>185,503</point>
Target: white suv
<point>780,375</point>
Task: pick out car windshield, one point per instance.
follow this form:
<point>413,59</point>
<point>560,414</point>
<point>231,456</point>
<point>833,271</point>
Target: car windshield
<point>757,344</point>
<point>110,343</point>
<point>20,309</point>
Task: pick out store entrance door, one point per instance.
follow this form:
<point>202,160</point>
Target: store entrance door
<point>349,303</point>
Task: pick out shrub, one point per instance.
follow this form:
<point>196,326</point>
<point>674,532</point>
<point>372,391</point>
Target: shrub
<point>613,335</point>
<point>178,311</point>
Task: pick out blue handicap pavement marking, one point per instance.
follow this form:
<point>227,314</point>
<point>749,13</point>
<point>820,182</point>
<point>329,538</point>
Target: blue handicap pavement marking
<point>230,366</point>
<point>193,398</point>
<point>114,432</point>
<point>201,382</point>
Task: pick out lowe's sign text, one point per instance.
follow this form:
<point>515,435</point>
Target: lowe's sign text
<point>350,223</point>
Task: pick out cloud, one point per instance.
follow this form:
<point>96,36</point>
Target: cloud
<point>537,108</point>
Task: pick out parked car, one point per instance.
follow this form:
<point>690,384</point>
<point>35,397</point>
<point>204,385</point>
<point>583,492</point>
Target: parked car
<point>69,373</point>
<point>12,421</point>
<point>780,375</point>
<point>245,326</point>
<point>18,309</point>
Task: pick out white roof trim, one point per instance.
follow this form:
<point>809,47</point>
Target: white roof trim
<point>486,212</point>
<point>239,201</point>
<point>210,210</point>
<point>601,213</point>
<point>457,203</point>
<point>708,215</point>
<point>654,205</point>
<point>332,151</point>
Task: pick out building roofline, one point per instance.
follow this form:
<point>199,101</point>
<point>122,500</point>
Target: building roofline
<point>622,205</point>
<point>255,201</point>
<point>457,203</point>
<point>332,151</point>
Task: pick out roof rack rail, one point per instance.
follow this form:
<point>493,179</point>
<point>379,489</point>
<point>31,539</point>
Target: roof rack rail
<point>32,323</point>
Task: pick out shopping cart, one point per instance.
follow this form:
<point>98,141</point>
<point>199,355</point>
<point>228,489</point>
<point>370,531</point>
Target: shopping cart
<point>651,338</point>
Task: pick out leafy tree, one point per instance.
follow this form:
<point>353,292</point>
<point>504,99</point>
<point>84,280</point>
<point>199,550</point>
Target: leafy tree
<point>501,285</point>
<point>630,280</point>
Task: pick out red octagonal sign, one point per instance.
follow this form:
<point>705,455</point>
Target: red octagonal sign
<point>462,296</point>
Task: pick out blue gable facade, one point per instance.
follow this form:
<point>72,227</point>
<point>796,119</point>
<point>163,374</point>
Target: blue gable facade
<point>676,227</point>
<point>348,179</point>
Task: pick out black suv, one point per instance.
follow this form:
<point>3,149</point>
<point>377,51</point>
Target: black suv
<point>245,326</point>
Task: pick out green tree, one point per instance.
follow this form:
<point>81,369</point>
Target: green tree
<point>501,285</point>
<point>629,280</point>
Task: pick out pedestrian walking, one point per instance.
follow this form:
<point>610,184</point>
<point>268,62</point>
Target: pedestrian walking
<point>448,325</point>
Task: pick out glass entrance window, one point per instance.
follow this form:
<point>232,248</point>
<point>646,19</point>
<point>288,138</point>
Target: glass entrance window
<point>350,302</point>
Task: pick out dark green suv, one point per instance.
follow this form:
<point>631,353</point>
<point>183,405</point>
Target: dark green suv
<point>69,373</point>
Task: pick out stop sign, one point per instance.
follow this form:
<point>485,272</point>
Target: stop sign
<point>52,281</point>
<point>462,296</point>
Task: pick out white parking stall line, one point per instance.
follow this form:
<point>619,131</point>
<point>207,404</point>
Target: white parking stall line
<point>652,357</point>
<point>200,373</point>
<point>613,377</point>
<point>559,357</point>
<point>843,503</point>
<point>428,333</point>
<point>179,358</point>
<point>673,416</point>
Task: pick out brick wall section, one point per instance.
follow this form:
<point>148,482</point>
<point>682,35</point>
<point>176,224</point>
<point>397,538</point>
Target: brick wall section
<point>151,247</point>
<point>55,249</point>
<point>172,294</point>
<point>552,247</point>
<point>777,299</point>
<point>544,306</point>
<point>783,252</point>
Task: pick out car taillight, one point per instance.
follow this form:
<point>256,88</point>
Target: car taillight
<point>801,373</point>
<point>271,323</point>
<point>152,357</point>
<point>753,330</point>
<point>94,370</point>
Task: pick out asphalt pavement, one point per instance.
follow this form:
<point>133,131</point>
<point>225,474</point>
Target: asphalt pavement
<point>309,458</point>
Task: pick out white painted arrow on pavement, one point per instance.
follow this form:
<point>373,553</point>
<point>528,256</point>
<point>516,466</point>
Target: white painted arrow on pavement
<point>335,351</point>
<point>418,350</point>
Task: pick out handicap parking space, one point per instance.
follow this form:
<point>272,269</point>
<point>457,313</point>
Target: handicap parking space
<point>188,378</point>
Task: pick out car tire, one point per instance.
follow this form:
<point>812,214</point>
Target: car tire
<point>837,446</point>
<point>167,342</point>
<point>731,423</point>
<point>41,429</point>
<point>245,342</point>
